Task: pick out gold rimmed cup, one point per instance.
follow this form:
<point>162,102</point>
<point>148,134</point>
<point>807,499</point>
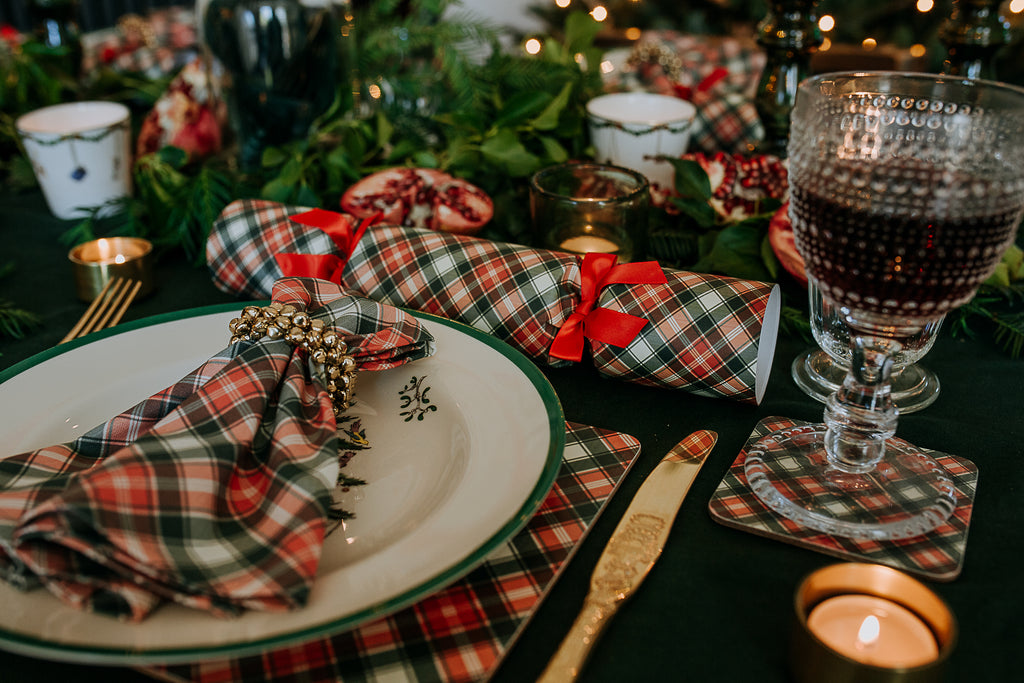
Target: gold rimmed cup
<point>97,262</point>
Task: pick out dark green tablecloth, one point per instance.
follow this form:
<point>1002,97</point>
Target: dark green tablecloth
<point>718,604</point>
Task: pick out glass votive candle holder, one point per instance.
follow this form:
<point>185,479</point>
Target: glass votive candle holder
<point>97,262</point>
<point>582,208</point>
<point>869,623</point>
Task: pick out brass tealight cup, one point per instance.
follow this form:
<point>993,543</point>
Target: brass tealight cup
<point>97,262</point>
<point>830,599</point>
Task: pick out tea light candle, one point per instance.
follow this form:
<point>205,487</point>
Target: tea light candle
<point>873,630</point>
<point>585,244</point>
<point>868,622</point>
<point>95,263</point>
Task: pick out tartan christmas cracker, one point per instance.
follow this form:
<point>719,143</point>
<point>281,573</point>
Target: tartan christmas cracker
<point>216,492</point>
<point>704,334</point>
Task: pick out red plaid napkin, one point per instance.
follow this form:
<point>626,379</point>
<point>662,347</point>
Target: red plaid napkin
<point>214,493</point>
<point>458,634</point>
<point>705,334</point>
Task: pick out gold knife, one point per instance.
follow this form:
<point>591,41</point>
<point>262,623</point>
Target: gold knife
<point>632,550</point>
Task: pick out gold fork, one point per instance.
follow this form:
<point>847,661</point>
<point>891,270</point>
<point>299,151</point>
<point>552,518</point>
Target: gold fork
<point>107,308</point>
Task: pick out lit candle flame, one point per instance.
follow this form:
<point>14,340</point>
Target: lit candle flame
<point>120,258</point>
<point>868,633</point>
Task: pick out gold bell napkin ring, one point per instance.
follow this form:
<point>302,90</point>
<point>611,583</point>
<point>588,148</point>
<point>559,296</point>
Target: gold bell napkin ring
<point>295,326</point>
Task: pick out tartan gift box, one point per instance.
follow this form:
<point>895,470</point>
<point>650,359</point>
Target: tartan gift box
<point>712,336</point>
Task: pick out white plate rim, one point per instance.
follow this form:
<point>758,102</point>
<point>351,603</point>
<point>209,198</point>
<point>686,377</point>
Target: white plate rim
<point>69,652</point>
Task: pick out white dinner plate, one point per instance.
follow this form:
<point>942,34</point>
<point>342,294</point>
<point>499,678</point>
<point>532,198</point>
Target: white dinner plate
<point>464,446</point>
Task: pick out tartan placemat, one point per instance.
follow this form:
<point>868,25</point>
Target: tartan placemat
<point>461,632</point>
<point>937,555</point>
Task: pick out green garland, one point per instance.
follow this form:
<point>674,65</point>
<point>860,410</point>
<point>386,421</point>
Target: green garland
<point>496,120</point>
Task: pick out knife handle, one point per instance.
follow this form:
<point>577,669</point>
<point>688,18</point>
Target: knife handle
<point>572,654</point>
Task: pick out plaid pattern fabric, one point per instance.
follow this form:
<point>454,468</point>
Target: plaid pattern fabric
<point>937,555</point>
<point>703,335</point>
<point>726,118</point>
<point>213,493</point>
<point>460,633</point>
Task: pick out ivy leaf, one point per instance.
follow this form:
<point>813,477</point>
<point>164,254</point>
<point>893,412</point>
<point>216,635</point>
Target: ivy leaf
<point>425,159</point>
<point>580,31</point>
<point>520,107</point>
<point>273,156</point>
<point>553,149</point>
<point>277,190</point>
<point>339,158</point>
<point>736,253</point>
<point>506,151</point>
<point>306,197</point>
<point>548,119</point>
<point>691,180</point>
<point>699,210</point>
<point>291,173</point>
<point>768,257</point>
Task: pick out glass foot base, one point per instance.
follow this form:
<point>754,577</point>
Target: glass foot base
<point>913,387</point>
<point>906,495</point>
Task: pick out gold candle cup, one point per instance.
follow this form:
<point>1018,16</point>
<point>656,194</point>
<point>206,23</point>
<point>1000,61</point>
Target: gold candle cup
<point>97,262</point>
<point>813,659</point>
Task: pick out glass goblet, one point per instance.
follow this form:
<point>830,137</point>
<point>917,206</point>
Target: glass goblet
<point>906,189</point>
<point>819,372</point>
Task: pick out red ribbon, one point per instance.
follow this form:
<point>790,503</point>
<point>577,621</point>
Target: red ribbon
<point>687,93</point>
<point>602,324</point>
<point>325,266</point>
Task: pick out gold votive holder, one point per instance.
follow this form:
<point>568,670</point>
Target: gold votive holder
<point>868,623</point>
<point>97,262</point>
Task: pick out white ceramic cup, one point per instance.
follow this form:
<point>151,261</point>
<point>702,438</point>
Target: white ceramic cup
<point>81,154</point>
<point>631,129</point>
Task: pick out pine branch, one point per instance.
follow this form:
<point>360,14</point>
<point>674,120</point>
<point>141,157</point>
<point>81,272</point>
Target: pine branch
<point>1009,333</point>
<point>794,322</point>
<point>16,322</point>
<point>1008,326</point>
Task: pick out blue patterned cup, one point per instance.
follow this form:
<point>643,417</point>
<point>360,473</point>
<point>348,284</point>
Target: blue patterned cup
<point>81,155</point>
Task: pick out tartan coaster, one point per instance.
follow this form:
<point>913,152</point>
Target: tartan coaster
<point>937,555</point>
<point>460,633</point>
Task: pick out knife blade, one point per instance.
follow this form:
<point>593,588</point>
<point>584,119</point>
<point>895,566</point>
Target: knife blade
<point>631,551</point>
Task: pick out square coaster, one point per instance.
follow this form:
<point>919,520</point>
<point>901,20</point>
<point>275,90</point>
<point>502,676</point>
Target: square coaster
<point>937,555</point>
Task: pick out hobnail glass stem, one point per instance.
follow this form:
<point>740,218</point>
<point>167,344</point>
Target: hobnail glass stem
<point>861,416</point>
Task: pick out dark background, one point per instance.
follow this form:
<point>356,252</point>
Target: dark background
<point>95,14</point>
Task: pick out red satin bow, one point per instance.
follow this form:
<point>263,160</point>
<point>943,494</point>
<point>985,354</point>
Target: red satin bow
<point>602,324</point>
<point>687,93</point>
<point>325,266</point>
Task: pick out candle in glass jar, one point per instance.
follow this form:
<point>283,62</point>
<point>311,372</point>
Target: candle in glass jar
<point>873,631</point>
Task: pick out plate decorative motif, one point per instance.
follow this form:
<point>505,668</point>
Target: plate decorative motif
<point>457,451</point>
